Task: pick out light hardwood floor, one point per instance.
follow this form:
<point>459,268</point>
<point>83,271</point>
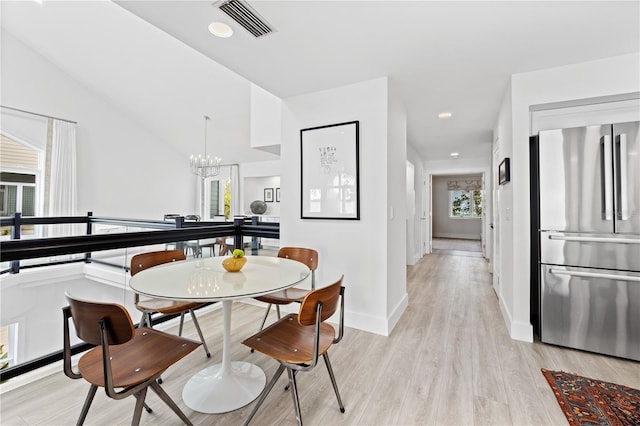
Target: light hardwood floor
<point>449,361</point>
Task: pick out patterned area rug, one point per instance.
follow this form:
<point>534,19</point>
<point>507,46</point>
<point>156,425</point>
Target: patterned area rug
<point>593,402</point>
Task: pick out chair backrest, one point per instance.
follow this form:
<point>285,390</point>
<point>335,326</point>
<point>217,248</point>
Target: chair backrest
<point>305,255</point>
<point>86,316</point>
<point>328,296</point>
<point>142,261</point>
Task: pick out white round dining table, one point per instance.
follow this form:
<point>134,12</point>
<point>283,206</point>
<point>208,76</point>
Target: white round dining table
<point>231,384</point>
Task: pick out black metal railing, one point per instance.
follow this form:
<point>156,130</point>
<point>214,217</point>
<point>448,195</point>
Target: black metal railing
<point>16,250</point>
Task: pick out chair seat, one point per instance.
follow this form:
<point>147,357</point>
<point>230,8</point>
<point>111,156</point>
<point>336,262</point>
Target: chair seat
<point>147,355</point>
<point>166,306</point>
<point>290,342</point>
<point>284,297</point>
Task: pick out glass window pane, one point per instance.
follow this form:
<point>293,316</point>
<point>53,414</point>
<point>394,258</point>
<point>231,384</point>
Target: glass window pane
<point>28,201</point>
<point>8,196</point>
<point>214,198</point>
<point>460,203</point>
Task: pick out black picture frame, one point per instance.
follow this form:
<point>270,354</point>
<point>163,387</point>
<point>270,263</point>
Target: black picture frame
<point>277,195</point>
<point>268,195</point>
<point>329,172</point>
<point>504,172</point>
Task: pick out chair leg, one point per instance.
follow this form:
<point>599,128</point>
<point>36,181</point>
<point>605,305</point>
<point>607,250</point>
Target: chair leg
<point>294,395</point>
<point>87,403</point>
<point>167,400</point>
<point>137,413</point>
<point>195,322</point>
<point>181,324</point>
<point>264,393</point>
<point>264,320</point>
<point>278,310</point>
<point>333,380</point>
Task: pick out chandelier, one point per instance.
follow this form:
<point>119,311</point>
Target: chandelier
<point>203,165</point>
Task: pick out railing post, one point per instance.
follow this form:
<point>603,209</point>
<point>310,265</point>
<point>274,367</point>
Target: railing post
<point>180,224</point>
<point>237,237</point>
<point>16,232</point>
<point>87,256</point>
<point>255,241</point>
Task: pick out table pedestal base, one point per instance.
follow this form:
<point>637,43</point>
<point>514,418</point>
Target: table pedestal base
<point>213,390</point>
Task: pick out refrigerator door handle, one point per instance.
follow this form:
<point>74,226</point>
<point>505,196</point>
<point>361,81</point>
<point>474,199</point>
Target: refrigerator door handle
<point>594,275</point>
<point>607,178</point>
<point>595,239</point>
<point>622,207</point>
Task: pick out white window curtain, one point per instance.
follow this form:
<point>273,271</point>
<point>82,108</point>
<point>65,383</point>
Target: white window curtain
<point>62,196</point>
<point>235,190</point>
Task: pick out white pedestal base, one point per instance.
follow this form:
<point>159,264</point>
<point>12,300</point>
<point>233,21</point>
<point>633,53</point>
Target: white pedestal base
<point>213,390</point>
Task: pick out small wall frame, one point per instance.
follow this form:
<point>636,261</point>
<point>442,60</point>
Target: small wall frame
<point>504,172</point>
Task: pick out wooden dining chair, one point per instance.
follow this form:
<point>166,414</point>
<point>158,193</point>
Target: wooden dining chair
<point>126,358</point>
<point>290,295</point>
<point>149,306</point>
<point>297,340</point>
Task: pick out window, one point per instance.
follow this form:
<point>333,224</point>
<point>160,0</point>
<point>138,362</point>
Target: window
<point>17,194</point>
<point>465,204</point>
<point>214,198</point>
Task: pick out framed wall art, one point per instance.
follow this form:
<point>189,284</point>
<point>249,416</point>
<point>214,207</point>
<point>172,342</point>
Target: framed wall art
<point>268,195</point>
<point>504,172</point>
<point>330,172</point>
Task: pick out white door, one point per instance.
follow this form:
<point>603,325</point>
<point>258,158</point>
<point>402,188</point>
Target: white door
<point>412,247</point>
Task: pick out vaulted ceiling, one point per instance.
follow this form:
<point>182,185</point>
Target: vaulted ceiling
<point>439,56</point>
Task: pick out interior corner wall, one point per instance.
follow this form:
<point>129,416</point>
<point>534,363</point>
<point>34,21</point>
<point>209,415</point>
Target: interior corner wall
<point>396,247</point>
<point>353,248</point>
<point>605,77</point>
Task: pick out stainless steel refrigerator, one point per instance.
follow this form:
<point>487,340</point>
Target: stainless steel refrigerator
<point>588,185</point>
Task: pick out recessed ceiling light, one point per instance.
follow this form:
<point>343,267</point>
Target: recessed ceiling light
<point>445,115</point>
<point>454,154</point>
<point>220,29</point>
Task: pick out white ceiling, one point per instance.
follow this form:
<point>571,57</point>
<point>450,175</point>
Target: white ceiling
<point>439,56</point>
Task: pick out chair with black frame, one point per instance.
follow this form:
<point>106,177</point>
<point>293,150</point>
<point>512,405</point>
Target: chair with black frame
<point>290,295</point>
<point>297,340</point>
<point>149,306</point>
<point>124,358</point>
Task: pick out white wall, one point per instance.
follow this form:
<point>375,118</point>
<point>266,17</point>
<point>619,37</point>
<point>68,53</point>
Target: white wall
<point>605,77</point>
<point>396,223</point>
<point>117,159</point>
<point>356,248</point>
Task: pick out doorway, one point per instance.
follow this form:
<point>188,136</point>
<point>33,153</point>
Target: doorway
<point>457,213</point>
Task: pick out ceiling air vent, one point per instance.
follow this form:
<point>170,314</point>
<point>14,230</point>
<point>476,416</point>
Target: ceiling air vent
<point>244,15</point>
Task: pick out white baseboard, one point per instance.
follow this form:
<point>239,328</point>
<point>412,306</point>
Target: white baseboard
<point>518,330</point>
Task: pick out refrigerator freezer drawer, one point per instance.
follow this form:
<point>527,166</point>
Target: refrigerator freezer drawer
<point>591,309</point>
<point>604,251</point>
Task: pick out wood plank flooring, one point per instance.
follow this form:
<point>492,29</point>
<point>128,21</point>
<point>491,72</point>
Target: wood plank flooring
<point>449,361</point>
